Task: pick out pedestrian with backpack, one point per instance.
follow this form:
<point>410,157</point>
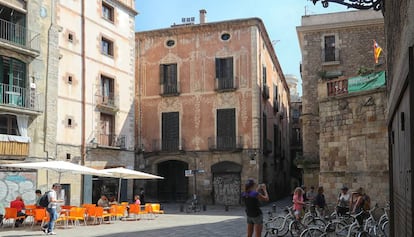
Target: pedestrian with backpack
<point>51,208</point>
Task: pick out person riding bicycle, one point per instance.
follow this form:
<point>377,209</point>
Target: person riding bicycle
<point>252,195</point>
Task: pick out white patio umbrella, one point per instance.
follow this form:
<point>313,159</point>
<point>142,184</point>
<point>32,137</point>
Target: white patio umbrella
<point>123,173</point>
<point>58,166</point>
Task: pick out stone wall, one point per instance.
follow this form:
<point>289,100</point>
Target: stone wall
<point>354,144</point>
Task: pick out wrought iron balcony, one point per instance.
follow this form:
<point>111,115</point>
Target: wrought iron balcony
<point>107,102</point>
<point>19,97</point>
<point>170,90</point>
<point>167,145</point>
<point>19,35</point>
<point>112,140</point>
<point>225,143</point>
<point>225,84</point>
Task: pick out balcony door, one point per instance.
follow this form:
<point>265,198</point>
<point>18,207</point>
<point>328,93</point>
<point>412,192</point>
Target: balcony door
<point>107,90</point>
<point>107,130</point>
<point>226,129</point>
<point>12,81</point>
<point>170,131</point>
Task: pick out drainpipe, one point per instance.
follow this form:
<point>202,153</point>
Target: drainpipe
<point>83,108</point>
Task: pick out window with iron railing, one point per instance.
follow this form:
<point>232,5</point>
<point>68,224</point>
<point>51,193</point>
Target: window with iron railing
<point>224,74</point>
<point>169,79</point>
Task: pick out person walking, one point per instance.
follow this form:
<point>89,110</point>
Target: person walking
<point>51,209</point>
<point>320,202</point>
<point>142,196</point>
<point>252,195</point>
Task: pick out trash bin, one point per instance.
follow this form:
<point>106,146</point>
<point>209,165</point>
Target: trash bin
<point>226,207</point>
<point>204,207</point>
<point>181,208</point>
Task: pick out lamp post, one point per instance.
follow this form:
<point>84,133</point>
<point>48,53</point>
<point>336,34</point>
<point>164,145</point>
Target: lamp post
<point>377,5</point>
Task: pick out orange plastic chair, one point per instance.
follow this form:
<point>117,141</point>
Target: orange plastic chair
<point>29,211</point>
<point>101,215</point>
<point>119,211</point>
<point>156,208</point>
<point>148,209</point>
<point>11,215</point>
<point>91,212</point>
<point>39,215</point>
<point>134,210</point>
<point>76,215</point>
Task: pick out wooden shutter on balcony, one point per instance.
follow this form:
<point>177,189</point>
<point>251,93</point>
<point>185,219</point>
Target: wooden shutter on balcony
<point>162,74</point>
<point>224,68</point>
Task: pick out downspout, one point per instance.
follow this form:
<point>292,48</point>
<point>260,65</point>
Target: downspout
<point>83,107</point>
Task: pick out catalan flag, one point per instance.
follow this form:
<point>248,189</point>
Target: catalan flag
<point>377,51</point>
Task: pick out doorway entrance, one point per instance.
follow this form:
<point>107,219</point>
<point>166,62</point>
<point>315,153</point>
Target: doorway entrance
<point>174,186</point>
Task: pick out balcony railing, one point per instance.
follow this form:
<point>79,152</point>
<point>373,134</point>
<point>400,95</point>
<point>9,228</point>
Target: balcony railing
<point>14,148</point>
<point>170,90</point>
<point>15,96</point>
<point>112,140</point>
<point>225,143</point>
<point>19,35</point>
<point>275,106</point>
<point>337,87</point>
<point>107,101</point>
<point>167,145</point>
<point>225,84</point>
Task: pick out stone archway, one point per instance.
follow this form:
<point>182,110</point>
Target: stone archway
<point>226,183</point>
<point>174,186</point>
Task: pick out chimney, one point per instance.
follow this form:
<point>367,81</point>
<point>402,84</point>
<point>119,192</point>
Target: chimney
<point>203,16</point>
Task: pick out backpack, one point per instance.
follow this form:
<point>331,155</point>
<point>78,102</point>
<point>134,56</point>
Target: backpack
<point>44,200</point>
<point>366,205</point>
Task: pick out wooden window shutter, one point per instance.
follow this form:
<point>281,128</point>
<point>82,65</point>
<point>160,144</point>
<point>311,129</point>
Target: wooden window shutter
<point>162,74</point>
<point>218,68</point>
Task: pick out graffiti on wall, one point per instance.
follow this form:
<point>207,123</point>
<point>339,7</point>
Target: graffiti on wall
<point>13,184</point>
<point>227,188</point>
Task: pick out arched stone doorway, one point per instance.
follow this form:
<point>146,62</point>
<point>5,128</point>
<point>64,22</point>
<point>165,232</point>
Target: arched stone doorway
<point>226,183</point>
<point>174,186</point>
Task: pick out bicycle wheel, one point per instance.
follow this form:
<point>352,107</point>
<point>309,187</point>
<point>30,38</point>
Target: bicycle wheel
<point>314,221</point>
<point>312,232</point>
<point>280,223</point>
<point>296,228</point>
<point>364,234</point>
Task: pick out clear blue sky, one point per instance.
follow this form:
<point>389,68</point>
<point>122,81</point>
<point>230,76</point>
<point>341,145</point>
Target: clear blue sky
<point>280,19</point>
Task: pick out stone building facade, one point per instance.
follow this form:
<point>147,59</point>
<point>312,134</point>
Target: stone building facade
<point>27,76</point>
<point>399,30</point>
<point>95,93</point>
<point>344,133</point>
<point>212,111</point>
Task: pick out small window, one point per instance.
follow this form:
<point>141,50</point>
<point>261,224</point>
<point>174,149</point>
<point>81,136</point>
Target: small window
<point>69,122</point>
<point>70,80</point>
<point>225,36</point>
<point>107,12</point>
<point>68,156</point>
<point>107,47</point>
<point>70,37</point>
<point>170,43</point>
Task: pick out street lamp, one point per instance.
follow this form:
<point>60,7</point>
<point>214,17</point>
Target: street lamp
<point>377,5</point>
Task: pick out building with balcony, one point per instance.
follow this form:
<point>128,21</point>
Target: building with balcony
<point>95,96</point>
<point>344,123</point>
<point>212,111</point>
<point>27,66</point>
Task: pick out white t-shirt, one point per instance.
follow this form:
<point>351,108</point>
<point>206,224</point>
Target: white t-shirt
<point>52,195</point>
<point>344,199</point>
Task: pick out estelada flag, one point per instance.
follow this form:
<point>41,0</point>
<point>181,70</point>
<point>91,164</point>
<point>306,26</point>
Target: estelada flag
<point>377,51</point>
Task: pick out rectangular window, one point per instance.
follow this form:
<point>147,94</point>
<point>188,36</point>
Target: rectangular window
<point>8,125</point>
<point>168,78</point>
<point>224,73</point>
<point>107,12</point>
<point>226,129</point>
<point>107,47</point>
<point>170,131</point>
<point>107,90</point>
<point>329,50</point>
<point>107,128</point>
